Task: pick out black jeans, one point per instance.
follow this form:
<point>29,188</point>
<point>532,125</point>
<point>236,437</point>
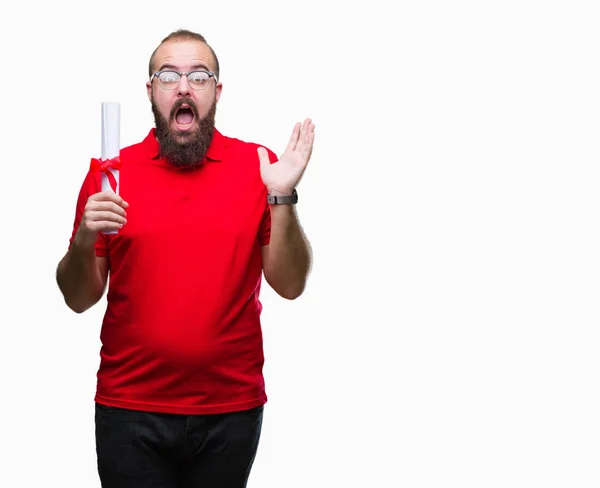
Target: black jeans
<point>150,450</point>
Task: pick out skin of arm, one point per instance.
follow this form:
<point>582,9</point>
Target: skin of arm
<point>287,259</point>
<point>82,277</point>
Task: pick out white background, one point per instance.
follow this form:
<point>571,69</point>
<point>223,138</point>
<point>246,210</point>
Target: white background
<point>449,332</point>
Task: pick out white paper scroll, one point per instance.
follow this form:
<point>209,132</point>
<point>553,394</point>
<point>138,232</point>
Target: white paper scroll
<point>111,141</point>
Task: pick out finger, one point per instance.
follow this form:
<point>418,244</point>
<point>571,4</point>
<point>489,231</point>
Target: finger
<point>310,134</point>
<point>106,205</point>
<point>109,196</point>
<point>294,138</point>
<point>103,226</point>
<point>263,157</point>
<point>310,129</point>
<point>308,147</point>
<point>99,216</point>
<point>307,126</point>
<point>305,148</point>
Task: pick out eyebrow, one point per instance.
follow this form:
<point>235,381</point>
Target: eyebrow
<point>173,67</point>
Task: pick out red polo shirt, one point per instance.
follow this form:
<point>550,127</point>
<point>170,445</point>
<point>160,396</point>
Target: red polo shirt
<point>181,332</point>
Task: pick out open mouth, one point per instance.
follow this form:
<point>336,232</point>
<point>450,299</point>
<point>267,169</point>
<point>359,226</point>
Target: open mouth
<point>184,117</point>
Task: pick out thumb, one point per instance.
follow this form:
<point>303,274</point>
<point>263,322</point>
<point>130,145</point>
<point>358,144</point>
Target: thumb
<point>263,156</point>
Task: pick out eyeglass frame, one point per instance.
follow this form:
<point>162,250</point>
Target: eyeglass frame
<point>181,73</point>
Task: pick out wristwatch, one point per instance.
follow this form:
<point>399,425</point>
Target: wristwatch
<point>283,199</point>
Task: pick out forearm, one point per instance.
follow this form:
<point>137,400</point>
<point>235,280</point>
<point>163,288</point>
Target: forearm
<point>289,257</point>
<point>79,278</point>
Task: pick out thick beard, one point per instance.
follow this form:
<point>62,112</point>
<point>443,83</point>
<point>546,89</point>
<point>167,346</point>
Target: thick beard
<point>185,150</point>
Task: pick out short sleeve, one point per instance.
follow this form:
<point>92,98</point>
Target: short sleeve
<point>264,235</point>
<point>91,185</point>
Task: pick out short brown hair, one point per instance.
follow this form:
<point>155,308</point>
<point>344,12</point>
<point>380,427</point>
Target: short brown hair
<point>183,34</point>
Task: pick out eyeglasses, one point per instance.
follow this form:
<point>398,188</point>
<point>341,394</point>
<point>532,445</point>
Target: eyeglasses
<point>169,80</point>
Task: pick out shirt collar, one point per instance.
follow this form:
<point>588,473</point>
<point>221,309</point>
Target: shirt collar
<point>214,153</point>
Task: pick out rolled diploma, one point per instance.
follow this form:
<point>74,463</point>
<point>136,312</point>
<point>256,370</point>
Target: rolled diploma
<point>111,143</point>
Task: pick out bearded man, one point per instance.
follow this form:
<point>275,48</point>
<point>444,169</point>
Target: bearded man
<point>199,218</point>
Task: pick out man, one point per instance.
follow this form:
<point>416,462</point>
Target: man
<point>199,218</point>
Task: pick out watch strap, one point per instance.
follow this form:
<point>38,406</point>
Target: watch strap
<point>283,199</point>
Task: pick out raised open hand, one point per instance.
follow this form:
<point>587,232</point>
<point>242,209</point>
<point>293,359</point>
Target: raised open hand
<point>282,177</point>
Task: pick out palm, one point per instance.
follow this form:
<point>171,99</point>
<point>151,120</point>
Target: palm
<point>284,175</point>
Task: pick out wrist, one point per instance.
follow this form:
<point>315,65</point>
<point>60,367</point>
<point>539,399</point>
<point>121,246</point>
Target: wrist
<point>84,242</point>
<point>280,191</point>
<point>290,198</point>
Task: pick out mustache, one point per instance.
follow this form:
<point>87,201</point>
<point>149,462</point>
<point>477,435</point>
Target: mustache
<point>184,101</point>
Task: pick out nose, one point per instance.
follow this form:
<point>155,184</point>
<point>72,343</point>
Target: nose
<point>184,87</point>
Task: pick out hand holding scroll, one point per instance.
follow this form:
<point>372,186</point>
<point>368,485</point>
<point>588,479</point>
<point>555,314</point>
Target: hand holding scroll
<point>104,211</point>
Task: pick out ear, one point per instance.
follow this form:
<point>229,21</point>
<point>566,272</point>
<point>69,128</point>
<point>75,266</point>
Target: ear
<point>149,90</point>
<point>218,90</point>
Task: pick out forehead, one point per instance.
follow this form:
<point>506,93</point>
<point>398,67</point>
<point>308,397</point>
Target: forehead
<point>183,54</point>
